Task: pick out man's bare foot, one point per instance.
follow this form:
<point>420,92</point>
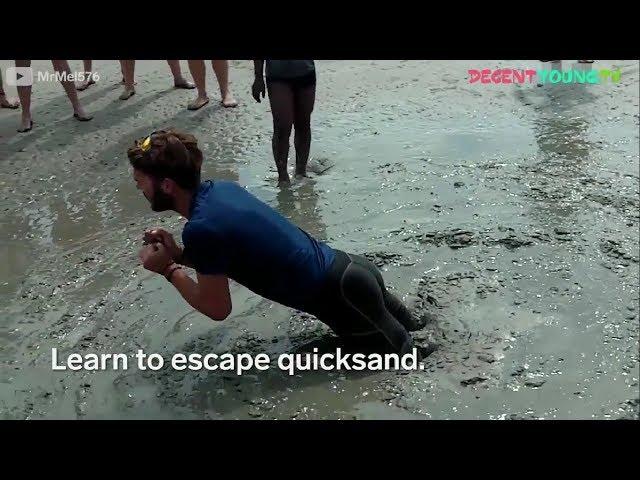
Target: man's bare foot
<point>5,103</point>
<point>86,84</point>
<point>183,84</point>
<point>26,125</point>
<point>127,93</point>
<point>198,103</point>
<point>228,101</point>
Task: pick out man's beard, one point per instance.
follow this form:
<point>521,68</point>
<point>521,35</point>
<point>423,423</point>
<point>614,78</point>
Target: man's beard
<point>161,201</point>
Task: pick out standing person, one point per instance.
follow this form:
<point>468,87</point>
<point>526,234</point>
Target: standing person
<point>292,93</point>
<point>199,73</point>
<point>4,102</point>
<point>24,93</point>
<point>128,72</point>
<point>232,234</point>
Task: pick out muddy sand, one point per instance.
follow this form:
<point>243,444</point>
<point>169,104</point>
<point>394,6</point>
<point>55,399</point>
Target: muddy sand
<point>509,213</point>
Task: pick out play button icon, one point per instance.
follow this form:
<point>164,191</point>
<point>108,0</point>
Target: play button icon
<point>19,76</point>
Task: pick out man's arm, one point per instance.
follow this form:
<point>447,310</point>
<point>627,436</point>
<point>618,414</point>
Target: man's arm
<point>209,295</point>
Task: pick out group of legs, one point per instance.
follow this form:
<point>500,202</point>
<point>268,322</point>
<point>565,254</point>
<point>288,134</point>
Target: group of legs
<point>197,68</point>
<point>198,72</point>
<point>24,94</point>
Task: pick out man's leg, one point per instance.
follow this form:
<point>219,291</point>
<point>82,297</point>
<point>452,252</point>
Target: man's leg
<point>282,110</point>
<point>88,79</point>
<point>304,100</point>
<point>360,289</point>
<point>4,102</point>
<point>199,75</point>
<point>128,71</point>
<point>24,93</point>
<point>62,66</point>
<point>221,69</point>
<point>393,303</point>
<point>178,80</point>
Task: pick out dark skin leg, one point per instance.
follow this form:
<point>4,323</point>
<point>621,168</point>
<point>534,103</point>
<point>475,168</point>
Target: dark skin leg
<point>304,100</point>
<point>282,109</point>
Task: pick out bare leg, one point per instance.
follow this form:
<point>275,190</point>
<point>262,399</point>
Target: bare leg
<point>199,74</point>
<point>128,71</point>
<point>24,93</point>
<point>304,100</point>
<point>221,69</point>
<point>178,80</point>
<point>281,99</point>
<point>4,103</point>
<point>88,79</point>
<point>62,66</point>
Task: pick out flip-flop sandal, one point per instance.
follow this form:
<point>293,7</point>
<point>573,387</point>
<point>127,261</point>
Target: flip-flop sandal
<point>11,106</point>
<point>233,105</point>
<point>82,119</point>
<point>25,130</point>
<point>185,86</point>
<point>192,106</point>
<point>126,95</point>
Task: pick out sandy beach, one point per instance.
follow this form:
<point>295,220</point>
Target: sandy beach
<point>509,213</point>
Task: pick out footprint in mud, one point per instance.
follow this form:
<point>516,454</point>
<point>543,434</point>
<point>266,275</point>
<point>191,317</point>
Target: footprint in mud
<point>320,165</point>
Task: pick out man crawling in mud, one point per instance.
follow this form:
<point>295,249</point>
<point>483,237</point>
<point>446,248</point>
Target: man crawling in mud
<point>232,234</point>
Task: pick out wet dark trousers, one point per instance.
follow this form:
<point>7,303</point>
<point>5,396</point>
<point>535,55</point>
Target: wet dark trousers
<point>356,305</point>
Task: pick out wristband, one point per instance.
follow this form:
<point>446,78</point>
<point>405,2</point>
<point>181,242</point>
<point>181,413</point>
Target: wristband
<point>171,268</point>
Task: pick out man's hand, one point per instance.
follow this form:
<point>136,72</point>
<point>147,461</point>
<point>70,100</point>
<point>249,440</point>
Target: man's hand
<point>155,257</point>
<point>258,88</point>
<point>159,235</point>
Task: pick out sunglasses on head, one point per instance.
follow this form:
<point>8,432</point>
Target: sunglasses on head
<point>145,144</point>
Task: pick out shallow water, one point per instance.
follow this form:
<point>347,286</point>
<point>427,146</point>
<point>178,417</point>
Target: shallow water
<point>509,212</point>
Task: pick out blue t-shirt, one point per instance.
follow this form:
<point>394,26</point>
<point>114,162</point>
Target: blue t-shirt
<point>231,232</point>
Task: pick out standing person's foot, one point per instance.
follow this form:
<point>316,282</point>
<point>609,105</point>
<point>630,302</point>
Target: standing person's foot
<point>301,173</point>
<point>5,103</point>
<point>26,125</point>
<point>183,84</point>
<point>85,84</point>
<point>198,103</point>
<point>228,101</point>
<point>81,115</point>
<point>284,181</point>
<point>127,93</point>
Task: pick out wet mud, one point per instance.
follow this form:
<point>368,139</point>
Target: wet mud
<point>505,215</point>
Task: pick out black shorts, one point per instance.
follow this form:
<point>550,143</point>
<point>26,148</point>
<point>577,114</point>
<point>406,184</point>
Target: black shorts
<point>355,304</point>
<point>296,83</point>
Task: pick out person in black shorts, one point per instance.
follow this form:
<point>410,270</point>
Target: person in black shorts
<point>231,234</point>
<point>292,91</point>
